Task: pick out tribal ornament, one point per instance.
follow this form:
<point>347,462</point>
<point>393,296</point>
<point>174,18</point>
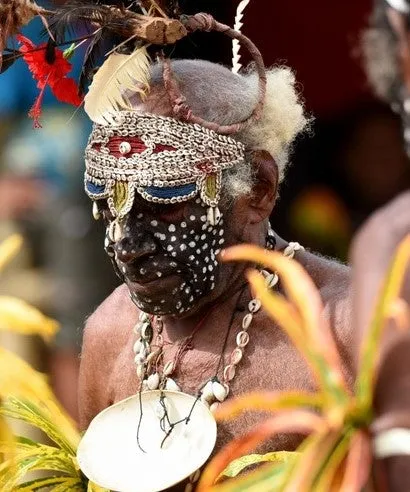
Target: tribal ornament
<point>163,159</point>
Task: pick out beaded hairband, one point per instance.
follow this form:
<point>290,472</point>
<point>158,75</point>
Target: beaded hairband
<point>163,159</point>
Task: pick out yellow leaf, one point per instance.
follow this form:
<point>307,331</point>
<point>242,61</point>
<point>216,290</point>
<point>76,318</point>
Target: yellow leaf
<point>265,478</point>
<point>92,487</point>
<point>39,417</point>
<point>18,379</point>
<point>19,317</point>
<point>239,465</point>
<point>9,248</point>
<point>33,458</point>
<point>43,483</point>
<point>268,401</point>
<point>7,437</point>
<point>296,421</point>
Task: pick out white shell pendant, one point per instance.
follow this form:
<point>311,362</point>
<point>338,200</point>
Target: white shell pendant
<point>109,454</point>
<point>207,391</point>
<point>171,385</point>
<point>214,406</point>
<point>96,212</point>
<point>153,381</point>
<point>114,231</point>
<point>213,216</point>
<point>219,391</point>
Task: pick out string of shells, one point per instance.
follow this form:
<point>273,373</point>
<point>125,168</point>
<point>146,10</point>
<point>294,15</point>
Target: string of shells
<point>214,391</point>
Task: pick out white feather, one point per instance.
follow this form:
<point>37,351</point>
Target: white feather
<point>236,66</point>
<point>119,74</point>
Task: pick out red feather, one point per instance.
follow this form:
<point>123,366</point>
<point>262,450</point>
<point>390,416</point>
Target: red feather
<point>53,75</point>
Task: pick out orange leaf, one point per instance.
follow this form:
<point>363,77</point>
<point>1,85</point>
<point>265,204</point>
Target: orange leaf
<point>311,461</point>
<point>298,421</point>
<point>269,401</point>
<point>358,463</point>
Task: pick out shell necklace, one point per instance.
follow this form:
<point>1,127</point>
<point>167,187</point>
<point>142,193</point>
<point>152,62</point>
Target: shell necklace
<point>161,428</point>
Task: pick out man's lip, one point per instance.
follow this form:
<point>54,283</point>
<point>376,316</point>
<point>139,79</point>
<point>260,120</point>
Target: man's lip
<point>146,285</point>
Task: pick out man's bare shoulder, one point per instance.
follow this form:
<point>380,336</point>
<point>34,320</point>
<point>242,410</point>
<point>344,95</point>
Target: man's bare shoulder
<point>106,333</point>
<point>114,318</point>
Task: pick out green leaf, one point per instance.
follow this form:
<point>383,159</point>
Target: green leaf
<point>33,415</point>
<point>72,484</point>
<point>327,474</point>
<point>41,483</point>
<point>237,466</point>
<point>268,477</point>
<point>34,458</point>
<point>19,380</point>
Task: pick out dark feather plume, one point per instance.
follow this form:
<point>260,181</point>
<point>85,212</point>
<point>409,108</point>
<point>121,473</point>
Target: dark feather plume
<point>50,53</point>
<point>74,17</point>
<point>94,53</point>
<point>8,60</point>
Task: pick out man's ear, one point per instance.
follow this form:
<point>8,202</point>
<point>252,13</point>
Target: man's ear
<point>264,192</point>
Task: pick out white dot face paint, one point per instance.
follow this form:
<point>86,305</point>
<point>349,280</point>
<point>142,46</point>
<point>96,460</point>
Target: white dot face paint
<point>183,258</point>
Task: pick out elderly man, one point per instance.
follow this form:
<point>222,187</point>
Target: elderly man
<point>202,319</point>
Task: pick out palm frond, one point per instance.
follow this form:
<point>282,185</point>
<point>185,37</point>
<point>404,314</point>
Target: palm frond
<point>19,317</point>
<point>9,248</point>
<point>32,456</point>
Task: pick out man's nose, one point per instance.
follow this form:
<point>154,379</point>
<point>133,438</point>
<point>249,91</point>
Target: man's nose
<point>130,248</point>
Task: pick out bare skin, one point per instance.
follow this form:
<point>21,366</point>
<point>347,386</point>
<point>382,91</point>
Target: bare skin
<point>372,252</point>
<point>271,362</point>
<point>108,372</point>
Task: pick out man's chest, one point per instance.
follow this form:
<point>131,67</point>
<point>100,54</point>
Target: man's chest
<point>269,363</point>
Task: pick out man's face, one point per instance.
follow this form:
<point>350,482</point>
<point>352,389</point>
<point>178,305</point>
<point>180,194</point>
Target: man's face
<point>167,254</point>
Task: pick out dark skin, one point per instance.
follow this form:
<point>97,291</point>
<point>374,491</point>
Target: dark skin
<point>372,252</point>
<point>156,256</point>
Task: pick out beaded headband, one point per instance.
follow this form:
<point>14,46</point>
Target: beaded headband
<point>163,159</point>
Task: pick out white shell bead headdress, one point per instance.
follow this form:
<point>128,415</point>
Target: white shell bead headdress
<point>163,159</point>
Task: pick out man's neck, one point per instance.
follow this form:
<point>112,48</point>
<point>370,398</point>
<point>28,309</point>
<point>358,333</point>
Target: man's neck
<point>178,328</point>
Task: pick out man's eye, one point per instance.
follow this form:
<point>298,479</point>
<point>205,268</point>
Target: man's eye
<point>171,212</point>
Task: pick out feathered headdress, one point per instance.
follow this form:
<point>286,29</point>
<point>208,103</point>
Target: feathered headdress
<point>122,37</point>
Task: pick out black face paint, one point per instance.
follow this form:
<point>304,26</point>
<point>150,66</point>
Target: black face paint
<point>167,255</point>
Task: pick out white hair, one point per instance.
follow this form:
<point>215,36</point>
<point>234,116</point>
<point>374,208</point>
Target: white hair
<point>216,94</point>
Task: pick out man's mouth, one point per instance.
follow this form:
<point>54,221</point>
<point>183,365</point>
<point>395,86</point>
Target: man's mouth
<point>149,276</point>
